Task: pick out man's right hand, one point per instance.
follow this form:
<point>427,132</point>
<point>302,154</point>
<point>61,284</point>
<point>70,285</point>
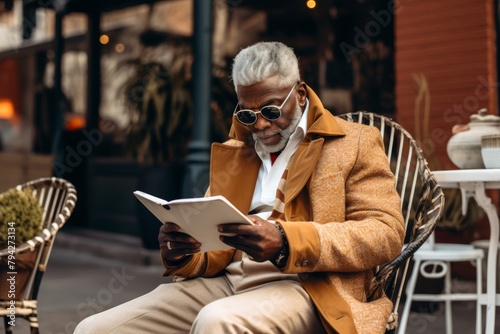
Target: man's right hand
<point>175,245</point>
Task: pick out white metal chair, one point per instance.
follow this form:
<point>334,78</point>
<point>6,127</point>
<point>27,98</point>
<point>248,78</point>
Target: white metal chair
<point>433,261</point>
<point>422,204</point>
<point>484,244</point>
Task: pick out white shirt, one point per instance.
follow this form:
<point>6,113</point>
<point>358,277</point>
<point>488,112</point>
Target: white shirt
<point>270,174</point>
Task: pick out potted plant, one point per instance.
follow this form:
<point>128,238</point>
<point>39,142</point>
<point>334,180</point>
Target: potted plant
<point>20,221</point>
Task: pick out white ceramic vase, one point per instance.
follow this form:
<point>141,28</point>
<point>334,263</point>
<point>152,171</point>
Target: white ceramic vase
<point>464,147</point>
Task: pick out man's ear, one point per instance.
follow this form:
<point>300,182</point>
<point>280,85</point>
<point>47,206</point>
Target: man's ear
<point>302,91</point>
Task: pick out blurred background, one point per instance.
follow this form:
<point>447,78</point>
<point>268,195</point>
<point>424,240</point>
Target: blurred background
<point>103,93</point>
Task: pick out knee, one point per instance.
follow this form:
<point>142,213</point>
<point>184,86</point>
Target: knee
<point>208,317</point>
<point>214,319</point>
<point>85,326</point>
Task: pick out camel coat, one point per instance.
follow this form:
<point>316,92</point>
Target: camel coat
<point>342,215</point>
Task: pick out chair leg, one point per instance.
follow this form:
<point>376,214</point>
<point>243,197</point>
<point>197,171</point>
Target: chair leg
<point>479,291</point>
<point>410,289</point>
<point>8,328</point>
<point>33,320</point>
<point>447,291</point>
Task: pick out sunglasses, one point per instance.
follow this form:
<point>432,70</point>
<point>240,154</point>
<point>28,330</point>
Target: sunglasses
<point>271,113</point>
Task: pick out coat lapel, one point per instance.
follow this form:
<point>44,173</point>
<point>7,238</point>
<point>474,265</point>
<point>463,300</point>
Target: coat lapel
<point>233,173</point>
<point>321,124</point>
<point>301,168</point>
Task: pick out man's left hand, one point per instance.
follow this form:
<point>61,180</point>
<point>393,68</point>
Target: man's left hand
<point>261,241</point>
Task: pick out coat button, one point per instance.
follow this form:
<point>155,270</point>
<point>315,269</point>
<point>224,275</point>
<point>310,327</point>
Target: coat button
<point>298,263</point>
<point>305,263</point>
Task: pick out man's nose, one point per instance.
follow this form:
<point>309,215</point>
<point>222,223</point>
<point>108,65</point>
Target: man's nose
<point>261,123</point>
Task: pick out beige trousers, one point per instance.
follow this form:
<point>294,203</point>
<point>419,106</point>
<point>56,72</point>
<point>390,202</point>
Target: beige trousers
<point>212,305</point>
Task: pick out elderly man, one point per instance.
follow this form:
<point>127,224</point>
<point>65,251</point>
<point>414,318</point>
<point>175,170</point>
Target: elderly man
<point>321,195</point>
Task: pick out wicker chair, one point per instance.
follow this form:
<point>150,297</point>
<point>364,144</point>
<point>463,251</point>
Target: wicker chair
<point>422,204</point>
<point>57,198</point>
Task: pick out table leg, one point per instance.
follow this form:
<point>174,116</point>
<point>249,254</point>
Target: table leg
<point>477,191</point>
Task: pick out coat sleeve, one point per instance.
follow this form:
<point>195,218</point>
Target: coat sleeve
<point>371,229</point>
<point>208,264</point>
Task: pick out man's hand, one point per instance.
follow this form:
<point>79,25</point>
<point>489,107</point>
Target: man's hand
<point>176,245</point>
<point>261,241</point>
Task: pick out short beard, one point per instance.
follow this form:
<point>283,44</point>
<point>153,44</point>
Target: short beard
<point>285,133</point>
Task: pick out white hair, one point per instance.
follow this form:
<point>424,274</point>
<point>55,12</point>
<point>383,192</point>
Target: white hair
<point>263,60</point>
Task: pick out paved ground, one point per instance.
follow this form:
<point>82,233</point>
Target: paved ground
<point>90,272</point>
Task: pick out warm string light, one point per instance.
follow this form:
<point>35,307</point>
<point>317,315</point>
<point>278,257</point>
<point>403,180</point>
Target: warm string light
<point>104,39</point>
<point>311,4</point>
<point>119,48</point>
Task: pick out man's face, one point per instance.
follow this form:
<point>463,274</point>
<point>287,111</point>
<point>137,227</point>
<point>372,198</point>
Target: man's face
<point>273,135</point>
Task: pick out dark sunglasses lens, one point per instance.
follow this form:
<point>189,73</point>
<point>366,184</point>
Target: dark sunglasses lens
<point>271,113</point>
<point>246,116</point>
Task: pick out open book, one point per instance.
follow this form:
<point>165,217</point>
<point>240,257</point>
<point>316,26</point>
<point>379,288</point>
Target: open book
<point>198,217</point>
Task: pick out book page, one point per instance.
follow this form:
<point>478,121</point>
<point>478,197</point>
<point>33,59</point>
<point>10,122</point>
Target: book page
<point>198,217</point>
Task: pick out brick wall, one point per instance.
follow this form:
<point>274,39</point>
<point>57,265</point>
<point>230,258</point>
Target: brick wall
<point>450,44</point>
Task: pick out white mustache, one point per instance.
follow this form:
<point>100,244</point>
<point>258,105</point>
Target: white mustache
<point>265,134</point>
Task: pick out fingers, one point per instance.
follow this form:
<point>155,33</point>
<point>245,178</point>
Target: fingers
<point>261,240</point>
<point>175,245</point>
<point>244,229</point>
<point>169,227</point>
<point>236,240</point>
<point>249,246</point>
<point>174,250</point>
<point>237,229</point>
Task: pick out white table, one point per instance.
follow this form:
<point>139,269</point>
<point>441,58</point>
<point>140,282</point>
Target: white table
<point>472,183</point>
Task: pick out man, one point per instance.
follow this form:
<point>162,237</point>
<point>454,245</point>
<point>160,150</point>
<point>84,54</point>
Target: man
<point>322,198</point>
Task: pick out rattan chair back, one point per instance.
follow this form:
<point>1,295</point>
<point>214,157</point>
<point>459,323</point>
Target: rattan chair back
<point>422,203</point>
